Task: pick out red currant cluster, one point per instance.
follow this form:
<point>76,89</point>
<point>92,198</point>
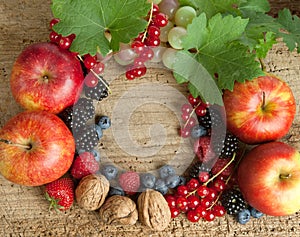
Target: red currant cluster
<point>142,45</point>
<point>89,61</point>
<point>201,197</point>
<point>196,106</point>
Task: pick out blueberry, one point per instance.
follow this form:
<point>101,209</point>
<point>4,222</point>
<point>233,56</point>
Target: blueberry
<point>109,171</point>
<point>99,131</point>
<point>160,186</point>
<point>166,171</point>
<point>148,180</point>
<point>244,216</point>
<point>104,122</point>
<point>96,154</point>
<point>172,181</point>
<point>198,131</point>
<point>116,191</point>
<point>255,213</point>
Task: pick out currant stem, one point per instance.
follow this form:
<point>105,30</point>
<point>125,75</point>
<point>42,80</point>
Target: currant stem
<point>148,23</point>
<point>191,114</point>
<point>217,174</point>
<point>8,142</point>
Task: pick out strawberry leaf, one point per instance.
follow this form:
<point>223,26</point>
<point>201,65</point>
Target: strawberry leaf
<point>291,29</point>
<point>91,20</point>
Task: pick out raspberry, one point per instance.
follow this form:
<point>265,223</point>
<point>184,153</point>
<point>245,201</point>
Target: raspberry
<point>220,164</point>
<point>129,182</point>
<point>233,201</point>
<point>202,148</point>
<point>83,165</point>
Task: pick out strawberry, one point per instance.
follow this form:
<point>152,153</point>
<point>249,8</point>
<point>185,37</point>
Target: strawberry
<point>220,164</point>
<point>60,193</point>
<point>129,182</point>
<point>83,165</point>
<point>202,148</point>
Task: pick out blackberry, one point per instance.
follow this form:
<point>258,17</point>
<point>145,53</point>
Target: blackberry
<point>99,92</point>
<point>197,168</point>
<point>233,201</point>
<point>211,118</point>
<point>86,138</point>
<point>77,115</point>
<point>230,146</point>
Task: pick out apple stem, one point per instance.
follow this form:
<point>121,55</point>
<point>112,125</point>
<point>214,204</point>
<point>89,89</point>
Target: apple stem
<point>28,147</point>
<point>264,100</point>
<point>285,176</point>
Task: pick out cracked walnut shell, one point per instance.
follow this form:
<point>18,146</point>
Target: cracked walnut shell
<point>153,210</point>
<point>119,210</point>
<point>91,191</point>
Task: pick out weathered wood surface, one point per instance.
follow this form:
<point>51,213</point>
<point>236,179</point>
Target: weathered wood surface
<point>24,211</point>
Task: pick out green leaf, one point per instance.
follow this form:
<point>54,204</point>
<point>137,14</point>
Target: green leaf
<point>89,20</point>
<point>255,5</point>
<point>264,45</point>
<point>291,29</point>
<point>212,7</point>
<point>219,52</point>
<point>200,81</point>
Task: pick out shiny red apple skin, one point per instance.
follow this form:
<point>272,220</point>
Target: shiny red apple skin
<point>253,123</point>
<point>51,153</point>
<point>46,77</point>
<point>269,178</point>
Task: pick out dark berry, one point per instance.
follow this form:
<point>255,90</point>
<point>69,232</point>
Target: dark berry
<point>86,138</point>
<point>160,186</point>
<point>212,118</point>
<point>243,216</point>
<point>230,146</point>
<point>233,201</point>
<point>109,171</point>
<point>166,171</point>
<point>116,191</point>
<point>148,180</point>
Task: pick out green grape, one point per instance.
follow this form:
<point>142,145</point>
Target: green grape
<point>168,57</point>
<point>184,16</point>
<point>175,37</point>
<point>164,31</point>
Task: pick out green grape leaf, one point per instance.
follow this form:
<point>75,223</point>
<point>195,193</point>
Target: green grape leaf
<point>255,5</point>
<point>201,83</point>
<point>90,20</point>
<point>212,7</point>
<point>290,29</point>
<point>217,49</point>
<point>264,45</point>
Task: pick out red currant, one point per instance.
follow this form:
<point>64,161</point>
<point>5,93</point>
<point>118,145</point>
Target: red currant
<point>193,101</point>
<point>98,68</point>
<point>205,202</point>
<point>171,200</point>
<point>153,31</point>
<point>139,71</point>
<point>174,212</point>
<point>200,110</point>
<point>219,210</point>
<point>152,41</point>
<point>138,46</point>
<point>212,194</point>
<point>191,122</point>
<point>182,190</point>
<point>193,201</point>
<point>219,185</point>
<point>193,184</point>
<point>89,61</point>
<point>65,42</point>
<point>182,203</point>
<point>203,191</point>
<point>203,176</point>
<point>193,216</point>
<point>91,80</point>
<point>53,22</point>
<point>186,109</point>
<point>129,74</point>
<point>160,20</point>
<point>185,132</point>
<point>210,216</point>
<point>201,211</point>
<point>54,37</point>
<point>155,9</point>
<point>146,54</point>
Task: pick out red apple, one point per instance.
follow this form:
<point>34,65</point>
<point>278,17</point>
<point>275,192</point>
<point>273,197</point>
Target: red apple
<point>36,148</point>
<point>260,110</point>
<point>46,77</point>
<point>269,178</point>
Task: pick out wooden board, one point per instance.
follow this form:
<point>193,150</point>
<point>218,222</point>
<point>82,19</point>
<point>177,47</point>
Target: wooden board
<point>24,211</point>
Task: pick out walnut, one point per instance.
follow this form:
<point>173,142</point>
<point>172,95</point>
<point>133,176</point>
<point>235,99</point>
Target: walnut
<point>119,210</point>
<point>91,191</point>
<point>153,210</point>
